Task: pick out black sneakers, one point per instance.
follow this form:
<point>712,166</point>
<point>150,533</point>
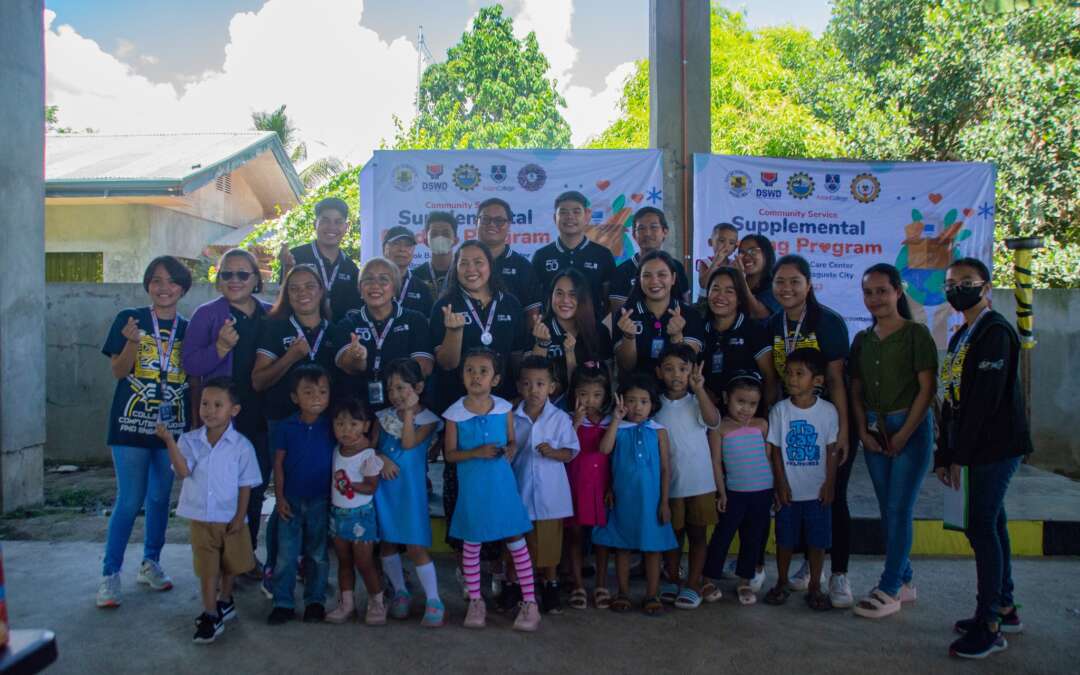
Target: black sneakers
<point>207,628</point>
<point>978,643</point>
<point>280,615</point>
<point>1008,623</point>
<point>550,598</point>
<point>226,609</point>
<point>314,613</point>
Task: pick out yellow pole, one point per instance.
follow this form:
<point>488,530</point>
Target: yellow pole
<point>1023,249</point>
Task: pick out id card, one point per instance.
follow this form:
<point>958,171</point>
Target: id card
<point>657,347</point>
<point>375,392</point>
<point>718,362</point>
<point>165,413</point>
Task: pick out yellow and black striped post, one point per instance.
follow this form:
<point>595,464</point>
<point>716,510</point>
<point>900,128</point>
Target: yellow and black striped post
<point>1023,249</point>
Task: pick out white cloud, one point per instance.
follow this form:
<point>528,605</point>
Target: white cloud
<point>124,48</point>
<point>340,81</point>
<point>148,59</point>
<point>587,112</point>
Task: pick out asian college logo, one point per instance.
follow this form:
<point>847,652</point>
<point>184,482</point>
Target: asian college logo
<point>363,333</point>
<point>532,177</point>
<point>404,177</point>
<point>738,183</point>
<point>865,188</point>
<point>768,178</point>
<point>832,182</point>
<point>466,177</point>
<point>498,172</point>
<point>434,171</point>
<point>551,265</point>
<point>800,185</point>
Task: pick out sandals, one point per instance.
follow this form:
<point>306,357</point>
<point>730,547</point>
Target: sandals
<point>877,605</point>
<point>602,598</point>
<point>653,606</point>
<point>746,594</point>
<point>710,592</point>
<point>818,601</point>
<point>688,598</point>
<point>621,604</point>
<point>578,599</point>
<point>777,595</point>
<point>668,592</point>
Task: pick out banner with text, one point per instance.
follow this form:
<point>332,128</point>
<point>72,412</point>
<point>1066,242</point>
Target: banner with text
<point>400,187</point>
<point>845,216</point>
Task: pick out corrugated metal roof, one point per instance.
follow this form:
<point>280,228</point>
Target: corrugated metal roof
<point>154,161</point>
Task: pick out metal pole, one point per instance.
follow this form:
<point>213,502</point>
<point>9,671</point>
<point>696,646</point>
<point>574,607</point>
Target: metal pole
<point>1023,250</point>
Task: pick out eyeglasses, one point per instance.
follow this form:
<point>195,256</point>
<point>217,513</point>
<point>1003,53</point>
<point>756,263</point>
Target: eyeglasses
<point>497,222</point>
<point>966,283</point>
<point>228,276</point>
<point>751,251</point>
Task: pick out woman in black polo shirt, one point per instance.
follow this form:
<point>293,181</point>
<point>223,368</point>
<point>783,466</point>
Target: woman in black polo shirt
<point>803,322</point>
<point>380,331</point>
<point>569,333</point>
<point>734,341</point>
<point>653,317</point>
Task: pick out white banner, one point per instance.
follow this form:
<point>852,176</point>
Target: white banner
<point>402,187</point>
<point>845,216</point>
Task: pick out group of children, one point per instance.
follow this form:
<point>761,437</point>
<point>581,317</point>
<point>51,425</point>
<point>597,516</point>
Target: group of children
<point>634,469</point>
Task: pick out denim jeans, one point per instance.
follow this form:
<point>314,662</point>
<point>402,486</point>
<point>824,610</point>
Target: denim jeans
<point>896,483</point>
<point>306,534</point>
<point>144,476</point>
<point>989,536</point>
<point>748,514</point>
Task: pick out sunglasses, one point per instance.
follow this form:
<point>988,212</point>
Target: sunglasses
<point>228,276</point>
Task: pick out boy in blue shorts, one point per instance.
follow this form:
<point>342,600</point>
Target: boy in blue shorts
<point>802,437</point>
<point>303,464</point>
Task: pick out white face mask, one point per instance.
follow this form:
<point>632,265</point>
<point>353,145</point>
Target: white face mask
<point>441,245</point>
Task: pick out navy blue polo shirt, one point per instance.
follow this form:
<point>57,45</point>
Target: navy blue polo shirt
<point>829,335</point>
<point>407,336</point>
<point>737,348</point>
<point>625,279</point>
<point>415,294</point>
<point>591,259</point>
<point>309,455</point>
<point>275,336</point>
<point>508,336</point>
<point>652,334</point>
<point>344,293</point>
<point>519,279</point>
<point>436,282</point>
<point>583,353</point>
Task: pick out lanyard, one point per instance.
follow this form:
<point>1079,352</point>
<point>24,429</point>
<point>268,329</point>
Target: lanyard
<point>404,288</point>
<point>791,342</point>
<point>953,386</point>
<point>486,327</point>
<point>379,339</point>
<point>439,286</point>
<point>318,340</point>
<point>327,281</point>
<point>164,354</point>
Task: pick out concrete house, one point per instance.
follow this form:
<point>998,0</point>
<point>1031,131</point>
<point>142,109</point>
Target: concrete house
<point>113,202</point>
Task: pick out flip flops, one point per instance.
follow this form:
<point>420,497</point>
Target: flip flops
<point>818,601</point>
<point>668,592</point>
<point>602,598</point>
<point>578,599</point>
<point>746,594</point>
<point>777,595</point>
<point>653,606</point>
<point>621,604</point>
<point>688,598</point>
<point>710,592</point>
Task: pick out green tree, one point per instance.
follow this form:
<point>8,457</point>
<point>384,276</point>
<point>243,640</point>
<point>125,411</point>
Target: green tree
<point>314,174</point>
<point>491,92</point>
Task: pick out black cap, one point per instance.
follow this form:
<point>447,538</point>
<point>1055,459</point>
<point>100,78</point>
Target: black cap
<point>398,232</point>
<point>332,203</point>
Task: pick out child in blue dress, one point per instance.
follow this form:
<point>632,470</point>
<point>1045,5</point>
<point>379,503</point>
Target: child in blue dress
<point>480,440</point>
<point>406,431</point>
<point>640,517</point>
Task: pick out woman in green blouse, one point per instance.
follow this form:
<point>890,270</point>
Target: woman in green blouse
<point>893,381</point>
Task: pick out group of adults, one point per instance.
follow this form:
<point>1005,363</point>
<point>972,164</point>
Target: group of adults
<point>572,303</point>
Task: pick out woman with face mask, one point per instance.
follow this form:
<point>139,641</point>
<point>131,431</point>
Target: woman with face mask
<point>985,430</point>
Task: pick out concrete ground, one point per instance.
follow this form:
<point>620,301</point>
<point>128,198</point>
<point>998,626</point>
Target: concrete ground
<point>52,585</point>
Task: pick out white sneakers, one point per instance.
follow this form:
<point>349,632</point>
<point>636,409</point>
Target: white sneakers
<point>840,592</point>
<point>108,594</point>
<point>151,574</point>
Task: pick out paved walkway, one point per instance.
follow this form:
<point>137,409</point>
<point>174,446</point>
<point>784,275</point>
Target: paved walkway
<point>52,585</point>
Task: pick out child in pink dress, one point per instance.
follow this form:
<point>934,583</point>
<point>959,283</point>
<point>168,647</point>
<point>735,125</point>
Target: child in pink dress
<point>590,480</point>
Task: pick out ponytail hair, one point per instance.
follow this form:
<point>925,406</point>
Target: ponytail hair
<point>893,275</point>
<point>813,307</point>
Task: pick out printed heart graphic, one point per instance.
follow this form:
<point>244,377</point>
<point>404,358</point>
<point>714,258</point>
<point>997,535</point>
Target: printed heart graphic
<point>603,184</point>
<point>967,212</point>
<point>935,197</point>
<point>637,197</point>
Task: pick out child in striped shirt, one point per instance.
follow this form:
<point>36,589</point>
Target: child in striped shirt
<point>744,471</point>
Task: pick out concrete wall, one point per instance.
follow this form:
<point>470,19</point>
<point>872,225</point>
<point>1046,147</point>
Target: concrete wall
<point>80,385</point>
<point>128,235</point>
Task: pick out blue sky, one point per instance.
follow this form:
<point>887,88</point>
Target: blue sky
<point>168,54</point>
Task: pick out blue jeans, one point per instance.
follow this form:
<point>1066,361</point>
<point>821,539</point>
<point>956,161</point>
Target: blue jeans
<point>748,514</point>
<point>896,483</point>
<point>144,476</point>
<point>304,534</point>
<point>989,536</point>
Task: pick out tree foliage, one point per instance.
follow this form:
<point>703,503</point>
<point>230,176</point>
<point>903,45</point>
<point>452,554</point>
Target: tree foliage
<point>491,92</point>
<point>315,173</point>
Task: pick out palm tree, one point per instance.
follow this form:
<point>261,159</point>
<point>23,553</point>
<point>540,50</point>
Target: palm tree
<point>316,173</point>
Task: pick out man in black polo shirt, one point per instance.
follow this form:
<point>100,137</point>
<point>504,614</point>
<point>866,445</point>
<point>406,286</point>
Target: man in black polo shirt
<point>650,230</point>
<point>518,278</point>
<point>398,245</point>
<point>338,271</point>
<point>573,249</point>
<point>441,232</point>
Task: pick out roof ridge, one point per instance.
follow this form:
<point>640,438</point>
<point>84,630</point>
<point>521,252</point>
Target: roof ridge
<point>250,132</point>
